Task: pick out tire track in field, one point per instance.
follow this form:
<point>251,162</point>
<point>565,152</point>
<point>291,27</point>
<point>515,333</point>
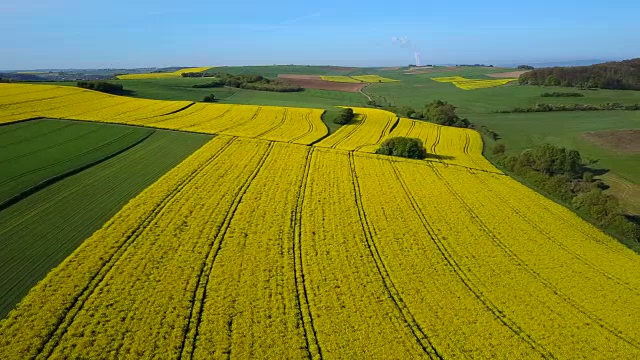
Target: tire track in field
<point>34,137</point>
<point>465,278</point>
<point>518,260</point>
<point>200,291</point>
<point>302,295</point>
<point>221,115</point>
<point>283,119</point>
<point>65,160</point>
<point>350,132</point>
<point>242,123</point>
<point>53,338</point>
<point>420,336</point>
<point>311,127</point>
<point>53,146</point>
<point>387,129</point>
<point>549,237</point>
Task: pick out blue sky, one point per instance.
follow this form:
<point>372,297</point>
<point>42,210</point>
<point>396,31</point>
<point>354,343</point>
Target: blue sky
<point>91,34</point>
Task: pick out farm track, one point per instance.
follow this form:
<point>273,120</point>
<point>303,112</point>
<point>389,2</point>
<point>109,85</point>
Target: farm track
<point>52,339</point>
<point>520,262</point>
<point>207,266</point>
<point>302,295</point>
<point>465,278</point>
<point>420,336</point>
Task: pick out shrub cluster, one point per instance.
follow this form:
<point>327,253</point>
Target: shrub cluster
<point>344,116</point>
<point>525,67</point>
<point>572,107</point>
<point>209,98</point>
<point>102,86</point>
<point>401,146</point>
<point>443,113</point>
<point>561,173</point>
<point>250,82</point>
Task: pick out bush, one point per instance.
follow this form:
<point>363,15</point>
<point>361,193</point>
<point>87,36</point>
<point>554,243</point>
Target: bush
<point>211,84</point>
<point>209,98</point>
<point>102,86</point>
<point>443,113</point>
<point>403,147</point>
<point>344,117</point>
<point>499,149</point>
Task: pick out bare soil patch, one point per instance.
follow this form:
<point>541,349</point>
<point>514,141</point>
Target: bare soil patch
<point>621,141</point>
<point>315,82</point>
<point>508,75</point>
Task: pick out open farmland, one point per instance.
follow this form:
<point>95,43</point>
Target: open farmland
<point>255,248</point>
<point>38,232</point>
<point>37,152</point>
<point>163,75</point>
<point>316,82</point>
<point>302,126</point>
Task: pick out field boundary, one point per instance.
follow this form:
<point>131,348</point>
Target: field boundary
<point>48,182</point>
<point>59,328</point>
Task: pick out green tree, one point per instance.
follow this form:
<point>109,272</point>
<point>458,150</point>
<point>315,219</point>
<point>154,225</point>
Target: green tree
<point>403,147</point>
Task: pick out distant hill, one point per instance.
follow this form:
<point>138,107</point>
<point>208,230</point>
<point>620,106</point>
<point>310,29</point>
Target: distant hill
<point>619,75</point>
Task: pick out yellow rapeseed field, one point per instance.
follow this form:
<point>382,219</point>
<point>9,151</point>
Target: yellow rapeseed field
<point>162,75</point>
<point>472,84</point>
<point>296,125</point>
<point>373,79</point>
<point>258,247</point>
<point>343,79</point>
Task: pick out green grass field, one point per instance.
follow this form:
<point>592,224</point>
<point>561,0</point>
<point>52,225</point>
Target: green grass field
<point>38,151</point>
<point>40,231</point>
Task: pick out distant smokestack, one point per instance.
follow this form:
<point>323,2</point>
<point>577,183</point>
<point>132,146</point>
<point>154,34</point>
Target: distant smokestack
<point>417,55</point>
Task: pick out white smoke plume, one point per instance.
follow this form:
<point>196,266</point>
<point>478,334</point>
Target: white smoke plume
<point>405,42</point>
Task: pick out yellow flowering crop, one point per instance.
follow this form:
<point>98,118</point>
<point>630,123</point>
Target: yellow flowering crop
<point>373,79</point>
<point>258,247</point>
<point>473,84</point>
<point>343,79</point>
<point>296,125</point>
<point>162,75</point>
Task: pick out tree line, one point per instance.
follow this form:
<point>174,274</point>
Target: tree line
<point>561,173</point>
<point>250,82</point>
<point>102,86</point>
<point>621,75</point>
